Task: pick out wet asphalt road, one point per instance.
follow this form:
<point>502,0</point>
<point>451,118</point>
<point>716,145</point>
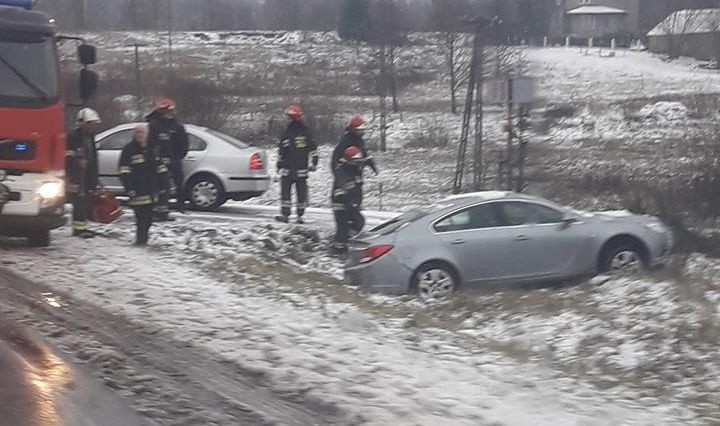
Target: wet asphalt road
<point>38,388</point>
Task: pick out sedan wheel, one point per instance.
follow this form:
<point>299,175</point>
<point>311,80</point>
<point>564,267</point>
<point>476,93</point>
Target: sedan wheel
<point>626,261</point>
<point>206,193</point>
<point>435,283</point>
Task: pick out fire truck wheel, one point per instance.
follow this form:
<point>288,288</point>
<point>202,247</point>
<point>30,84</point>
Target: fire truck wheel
<point>39,239</point>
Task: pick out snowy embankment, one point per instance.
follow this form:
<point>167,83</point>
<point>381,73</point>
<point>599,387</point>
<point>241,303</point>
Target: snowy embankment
<point>265,298</point>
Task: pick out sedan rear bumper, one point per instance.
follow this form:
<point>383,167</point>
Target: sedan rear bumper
<point>246,184</point>
<point>385,275</point>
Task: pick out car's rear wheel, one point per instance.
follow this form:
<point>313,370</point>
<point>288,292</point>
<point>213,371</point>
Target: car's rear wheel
<point>622,257</point>
<point>435,280</point>
<point>206,192</point>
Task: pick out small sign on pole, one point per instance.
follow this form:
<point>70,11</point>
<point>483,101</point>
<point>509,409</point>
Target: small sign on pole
<point>524,90</point>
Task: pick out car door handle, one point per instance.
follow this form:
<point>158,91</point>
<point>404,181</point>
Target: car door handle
<point>458,242</point>
<point>521,238</point>
<point>191,159</point>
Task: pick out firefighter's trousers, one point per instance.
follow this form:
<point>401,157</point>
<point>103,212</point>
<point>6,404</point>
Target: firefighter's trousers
<point>301,189</point>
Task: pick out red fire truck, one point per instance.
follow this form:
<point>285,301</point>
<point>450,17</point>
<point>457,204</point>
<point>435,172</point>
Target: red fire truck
<point>32,124</point>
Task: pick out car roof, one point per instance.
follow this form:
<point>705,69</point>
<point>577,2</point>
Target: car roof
<point>128,126</point>
<point>461,200</point>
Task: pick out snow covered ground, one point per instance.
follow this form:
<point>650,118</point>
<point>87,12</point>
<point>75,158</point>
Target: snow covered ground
<point>577,75</point>
<point>629,350</point>
<point>623,351</point>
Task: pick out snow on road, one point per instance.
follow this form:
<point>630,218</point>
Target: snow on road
<point>224,287</point>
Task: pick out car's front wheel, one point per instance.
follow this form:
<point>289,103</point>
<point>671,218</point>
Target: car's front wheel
<point>622,257</point>
<point>206,192</point>
<point>39,238</point>
<point>435,281</point>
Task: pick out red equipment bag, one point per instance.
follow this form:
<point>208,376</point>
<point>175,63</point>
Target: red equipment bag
<point>104,207</point>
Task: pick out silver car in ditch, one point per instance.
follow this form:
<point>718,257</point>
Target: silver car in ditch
<point>500,238</point>
<point>217,168</point>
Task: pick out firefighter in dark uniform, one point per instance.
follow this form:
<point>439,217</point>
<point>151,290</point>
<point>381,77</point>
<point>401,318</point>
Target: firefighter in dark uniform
<point>296,158</point>
<point>346,198</point>
<point>138,173</point>
<point>82,169</point>
<point>168,139</point>
<point>353,136</point>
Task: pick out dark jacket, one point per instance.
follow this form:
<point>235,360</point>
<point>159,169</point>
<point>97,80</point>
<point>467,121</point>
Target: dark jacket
<point>347,189</point>
<point>167,138</point>
<point>81,146</point>
<point>138,173</point>
<point>351,139</point>
<point>297,151</point>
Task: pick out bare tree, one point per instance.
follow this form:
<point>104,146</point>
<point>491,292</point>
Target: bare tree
<point>445,18</point>
<point>386,33</point>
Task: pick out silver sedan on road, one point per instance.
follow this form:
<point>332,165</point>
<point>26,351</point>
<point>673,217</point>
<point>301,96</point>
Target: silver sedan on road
<point>500,237</point>
<point>217,168</point>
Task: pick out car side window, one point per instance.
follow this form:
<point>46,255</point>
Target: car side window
<point>196,144</point>
<point>477,217</point>
<point>518,213</point>
<point>116,141</point>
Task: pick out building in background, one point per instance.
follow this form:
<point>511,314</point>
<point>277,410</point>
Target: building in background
<point>600,19</point>
<point>689,32</point>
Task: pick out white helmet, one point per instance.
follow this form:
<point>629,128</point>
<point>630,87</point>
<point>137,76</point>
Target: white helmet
<point>88,115</point>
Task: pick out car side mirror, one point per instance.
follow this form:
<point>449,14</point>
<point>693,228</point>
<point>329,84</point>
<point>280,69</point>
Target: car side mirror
<point>88,84</point>
<point>87,54</point>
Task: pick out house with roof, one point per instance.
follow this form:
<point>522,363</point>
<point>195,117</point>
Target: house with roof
<point>689,32</point>
<point>582,19</point>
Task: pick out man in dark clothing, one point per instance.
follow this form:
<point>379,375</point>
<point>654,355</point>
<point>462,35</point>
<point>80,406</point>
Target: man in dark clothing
<point>82,169</point>
<point>138,173</point>
<point>296,158</point>
<point>346,198</point>
<point>353,136</point>
<point>168,140</point>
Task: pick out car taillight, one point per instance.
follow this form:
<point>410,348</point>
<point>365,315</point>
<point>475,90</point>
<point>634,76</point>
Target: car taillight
<point>374,252</point>
<point>256,162</point>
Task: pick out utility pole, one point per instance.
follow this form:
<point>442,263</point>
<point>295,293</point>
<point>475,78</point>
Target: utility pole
<point>510,134</point>
<point>383,98</point>
<point>474,99</point>
<point>523,125</point>
<point>138,80</point>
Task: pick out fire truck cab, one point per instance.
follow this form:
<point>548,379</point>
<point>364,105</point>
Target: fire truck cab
<point>32,125</point>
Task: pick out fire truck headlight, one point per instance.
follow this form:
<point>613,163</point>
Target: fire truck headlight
<point>51,191</point>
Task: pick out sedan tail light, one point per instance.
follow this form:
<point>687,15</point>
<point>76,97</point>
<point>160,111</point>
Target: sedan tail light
<point>374,253</point>
<point>256,162</point>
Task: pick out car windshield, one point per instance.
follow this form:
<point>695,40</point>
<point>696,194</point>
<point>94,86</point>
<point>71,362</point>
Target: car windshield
<point>229,139</point>
<point>408,217</point>
<point>28,70</point>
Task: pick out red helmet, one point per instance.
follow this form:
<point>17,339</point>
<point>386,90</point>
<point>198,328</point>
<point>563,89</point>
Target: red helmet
<point>353,153</point>
<point>294,112</point>
<point>357,123</point>
<point>164,104</point>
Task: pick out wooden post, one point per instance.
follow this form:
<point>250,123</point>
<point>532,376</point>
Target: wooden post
<point>567,42</point>
<point>510,131</point>
<point>613,44</point>
<point>545,41</point>
<point>590,43</point>
<point>170,32</point>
